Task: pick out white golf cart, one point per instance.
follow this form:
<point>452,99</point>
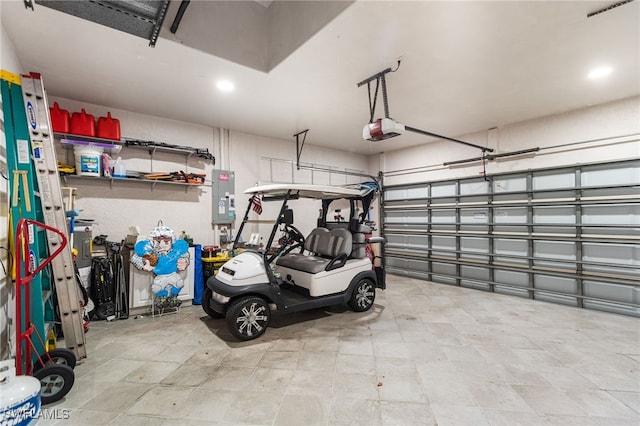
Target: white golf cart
<point>328,267</point>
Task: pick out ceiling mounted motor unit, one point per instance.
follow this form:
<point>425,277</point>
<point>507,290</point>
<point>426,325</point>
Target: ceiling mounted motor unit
<point>381,129</point>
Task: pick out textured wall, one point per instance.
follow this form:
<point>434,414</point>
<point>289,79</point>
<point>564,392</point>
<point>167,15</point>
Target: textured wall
<point>607,126</point>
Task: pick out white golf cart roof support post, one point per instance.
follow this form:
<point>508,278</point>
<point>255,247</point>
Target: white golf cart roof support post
<point>244,220</point>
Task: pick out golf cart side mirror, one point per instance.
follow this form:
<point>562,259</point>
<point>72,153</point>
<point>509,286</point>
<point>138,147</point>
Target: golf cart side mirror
<point>287,217</point>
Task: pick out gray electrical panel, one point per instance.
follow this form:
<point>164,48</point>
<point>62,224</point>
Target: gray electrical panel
<point>223,199</point>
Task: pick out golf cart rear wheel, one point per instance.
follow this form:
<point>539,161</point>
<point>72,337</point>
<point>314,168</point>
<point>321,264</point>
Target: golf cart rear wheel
<point>60,356</point>
<point>363,296</point>
<point>56,381</point>
<point>248,317</point>
<point>206,305</point>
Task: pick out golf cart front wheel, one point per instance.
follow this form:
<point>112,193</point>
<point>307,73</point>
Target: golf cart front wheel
<point>363,296</point>
<point>206,305</point>
<point>248,317</point>
<point>56,381</point>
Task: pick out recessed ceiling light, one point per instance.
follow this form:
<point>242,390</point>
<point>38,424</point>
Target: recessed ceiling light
<point>598,73</point>
<point>225,85</point>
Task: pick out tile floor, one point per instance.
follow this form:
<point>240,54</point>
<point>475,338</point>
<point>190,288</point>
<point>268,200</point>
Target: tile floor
<point>426,354</point>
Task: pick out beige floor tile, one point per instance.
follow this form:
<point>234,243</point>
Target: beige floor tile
<point>498,396</point>
<point>117,397</point>
<point>317,361</point>
<point>188,375</point>
<point>355,364</point>
<point>176,353</point>
<point>84,388</point>
<point>243,357</point>
<point>115,370</point>
<point>229,378</point>
<point>211,356</point>
<point>143,351</point>
<point>399,413</point>
<point>253,408</point>
<point>152,372</point>
<point>207,404</point>
<point>271,380</point>
<point>425,354</point>
<point>80,417</point>
<point>354,411</point>
<point>600,403</point>
<point>549,400</point>
<point>398,387</point>
<point>512,418</point>
<point>630,399</point>
<point>161,401</point>
<point>285,360</point>
<point>362,385</point>
<point>126,419</point>
<point>356,345</point>
<point>456,415</point>
<point>315,383</point>
<point>307,410</point>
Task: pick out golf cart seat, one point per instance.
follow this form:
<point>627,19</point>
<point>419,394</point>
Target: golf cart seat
<point>358,235</point>
<point>330,250</point>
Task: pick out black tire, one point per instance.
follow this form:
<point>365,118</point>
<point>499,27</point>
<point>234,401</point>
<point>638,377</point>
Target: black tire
<point>206,307</point>
<point>58,356</point>
<point>363,296</point>
<point>56,380</point>
<point>248,317</point>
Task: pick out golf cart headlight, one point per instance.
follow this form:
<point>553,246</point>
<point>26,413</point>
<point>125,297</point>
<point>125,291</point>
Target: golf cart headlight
<point>220,298</point>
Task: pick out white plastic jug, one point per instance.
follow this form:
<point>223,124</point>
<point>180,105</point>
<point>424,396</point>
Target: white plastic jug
<point>119,170</point>
<point>19,396</point>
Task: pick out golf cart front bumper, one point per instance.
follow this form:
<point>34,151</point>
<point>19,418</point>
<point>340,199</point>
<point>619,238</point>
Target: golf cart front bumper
<point>222,293</point>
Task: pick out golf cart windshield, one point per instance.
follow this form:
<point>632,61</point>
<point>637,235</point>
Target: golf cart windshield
<point>358,196</point>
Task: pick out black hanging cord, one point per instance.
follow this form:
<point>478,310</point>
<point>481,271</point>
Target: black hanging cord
<point>300,146</point>
<point>484,166</point>
<point>378,77</point>
<point>372,106</point>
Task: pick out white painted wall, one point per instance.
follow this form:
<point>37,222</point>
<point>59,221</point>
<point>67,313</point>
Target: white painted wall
<point>8,62</point>
<point>600,133</point>
<point>115,208</point>
<point>8,58</point>
<point>254,156</point>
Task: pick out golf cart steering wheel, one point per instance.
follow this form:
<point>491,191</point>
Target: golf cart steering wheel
<point>290,241</point>
<point>294,236</point>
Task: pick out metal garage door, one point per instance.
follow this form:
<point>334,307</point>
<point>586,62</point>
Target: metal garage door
<point>566,235</point>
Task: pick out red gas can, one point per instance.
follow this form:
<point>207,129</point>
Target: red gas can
<point>109,127</point>
<point>59,119</point>
<point>83,124</point>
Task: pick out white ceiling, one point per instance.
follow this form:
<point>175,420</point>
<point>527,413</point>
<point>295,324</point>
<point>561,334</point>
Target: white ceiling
<point>466,66</point>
